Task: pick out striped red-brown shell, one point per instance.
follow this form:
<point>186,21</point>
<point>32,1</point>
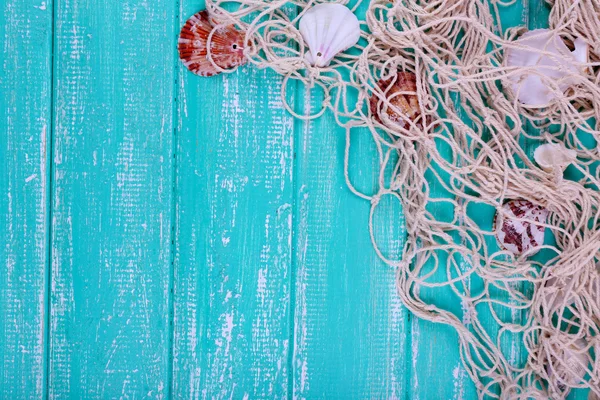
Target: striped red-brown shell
<point>516,235</point>
<point>227,45</point>
<point>401,92</point>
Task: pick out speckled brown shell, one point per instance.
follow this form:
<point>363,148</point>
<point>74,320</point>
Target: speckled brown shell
<point>227,46</point>
<point>519,236</point>
<point>401,92</point>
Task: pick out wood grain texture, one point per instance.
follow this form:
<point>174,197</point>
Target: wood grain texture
<point>112,199</point>
<point>240,225</point>
<point>233,264</point>
<point>350,330</point>
<point>25,108</point>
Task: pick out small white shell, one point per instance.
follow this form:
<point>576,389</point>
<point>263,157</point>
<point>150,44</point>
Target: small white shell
<point>531,88</point>
<point>328,29</point>
<point>553,156</point>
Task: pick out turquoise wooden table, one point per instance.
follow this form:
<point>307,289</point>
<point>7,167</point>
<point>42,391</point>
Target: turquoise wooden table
<point>170,236</point>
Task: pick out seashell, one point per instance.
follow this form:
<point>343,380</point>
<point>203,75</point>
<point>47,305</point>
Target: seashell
<point>553,156</point>
<point>568,364</point>
<point>564,291</point>
<point>401,93</point>
<point>226,46</point>
<point>328,29</point>
<point>531,88</point>
<point>559,292</point>
<point>516,235</point>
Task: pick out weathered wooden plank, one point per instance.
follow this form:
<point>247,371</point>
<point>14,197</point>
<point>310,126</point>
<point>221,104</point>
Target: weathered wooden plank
<point>112,199</point>
<point>350,330</point>
<point>25,109</point>
<point>234,235</point>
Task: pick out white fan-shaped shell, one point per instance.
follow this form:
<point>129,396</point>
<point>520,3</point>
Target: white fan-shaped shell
<point>530,88</point>
<point>551,156</point>
<point>328,29</point>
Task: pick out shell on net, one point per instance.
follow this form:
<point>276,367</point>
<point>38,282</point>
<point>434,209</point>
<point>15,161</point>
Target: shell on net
<point>568,364</point>
<point>514,231</point>
<point>551,59</point>
<point>562,292</point>
<point>559,292</point>
<point>328,29</point>
<point>226,45</point>
<point>553,156</point>
<point>400,92</point>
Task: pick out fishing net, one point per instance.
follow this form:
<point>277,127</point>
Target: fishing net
<point>454,167</point>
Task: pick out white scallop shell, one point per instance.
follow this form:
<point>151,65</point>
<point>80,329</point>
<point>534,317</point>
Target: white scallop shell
<point>328,29</point>
<point>514,231</point>
<point>531,88</point>
<point>551,156</point>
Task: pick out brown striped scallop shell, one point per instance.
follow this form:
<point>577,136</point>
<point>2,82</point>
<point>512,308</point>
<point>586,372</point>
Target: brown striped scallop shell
<point>227,45</point>
<point>401,92</point>
<point>516,235</point>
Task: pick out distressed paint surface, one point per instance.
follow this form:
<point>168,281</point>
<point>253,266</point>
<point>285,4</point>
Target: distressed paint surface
<point>202,243</point>
<point>349,325</point>
<point>25,109</point>
<point>111,199</point>
<point>234,196</point>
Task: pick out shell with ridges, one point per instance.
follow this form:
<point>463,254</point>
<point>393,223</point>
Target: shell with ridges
<point>400,92</point>
<point>227,46</point>
<point>328,29</point>
<point>514,231</point>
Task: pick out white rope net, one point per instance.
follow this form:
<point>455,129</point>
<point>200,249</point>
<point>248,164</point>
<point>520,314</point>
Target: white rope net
<point>467,152</point>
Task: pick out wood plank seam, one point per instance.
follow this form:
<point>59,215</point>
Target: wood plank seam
<point>293,249</point>
<point>174,179</point>
<point>25,120</point>
<point>49,197</point>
